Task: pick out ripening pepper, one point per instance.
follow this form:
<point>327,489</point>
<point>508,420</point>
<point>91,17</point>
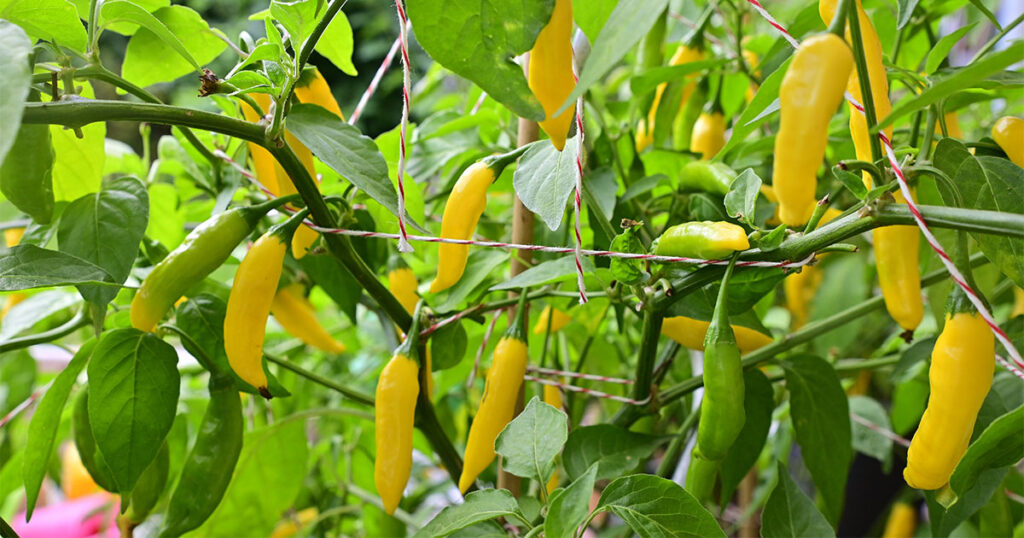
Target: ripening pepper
<point>501,390</point>
<point>1018,303</point>
<point>1008,132</point>
<point>295,313</point>
<point>402,284</point>
<point>702,239</point>
<point>555,317</point>
<point>811,91</point>
<point>550,75</point>
<point>645,128</point>
<point>902,521</point>
<point>252,294</point>
<point>690,333</point>
<point>291,525</point>
<point>552,397</point>
<point>395,414</point>
<point>753,61</point>
<point>960,375</point>
<point>462,211</point>
<point>703,176</point>
<point>801,287</point>
<point>12,236</point>
<point>708,135</point>
<point>202,251</point>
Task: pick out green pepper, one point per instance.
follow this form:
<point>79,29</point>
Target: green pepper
<point>705,240</point>
<point>704,176</point>
<point>85,443</point>
<point>204,250</point>
<point>701,475</point>
<point>207,471</point>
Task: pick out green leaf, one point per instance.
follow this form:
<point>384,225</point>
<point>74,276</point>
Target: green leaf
<point>53,20</point>
<point>42,432</point>
<point>267,478</point>
<point>490,34</point>
<point>78,167</point>
<point>150,486</point>
<point>758,402</point>
<point>335,279</point>
<point>626,271</point>
<point>944,522</point>
<point>821,418</point>
<point>740,202</point>
<point>941,49</point>
<point>956,80</point>
<point>591,15</point>
<point>654,506</point>
<point>106,228</point>
<point>763,105</point>
<point>34,309</point>
<point>549,272</point>
<point>866,440</point>
<point>528,445</point>
<point>905,11</point>
<point>789,512</point>
<point>150,58</point>
<point>482,265</point>
<point>544,179</point>
<point>26,267</point>
<point>118,12</point>
<point>649,79</point>
<point>18,371</point>
<point>336,44</point>
<point>85,444</point>
<point>166,222</point>
<point>1000,445</point>
<point>26,177</point>
<point>853,182</point>
<point>568,507</point>
<point>298,17</point>
<point>15,48</point>
<point>479,506</point>
<point>626,25</point>
<point>133,396</point>
<point>615,450</point>
<point>448,346</point>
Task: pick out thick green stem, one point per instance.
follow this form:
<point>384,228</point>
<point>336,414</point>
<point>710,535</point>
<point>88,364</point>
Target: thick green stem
<point>670,460</point>
<point>644,367</point>
<point>80,320</point>
<point>866,97</point>
<point>352,394</point>
<point>838,23</point>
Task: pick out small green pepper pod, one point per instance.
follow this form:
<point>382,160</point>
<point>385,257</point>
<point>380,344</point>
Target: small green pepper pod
<point>705,240</point>
<point>704,176</point>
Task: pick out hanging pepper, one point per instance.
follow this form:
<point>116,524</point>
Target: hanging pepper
<point>397,390</point>
<point>902,521</point>
<point>702,239</point>
<point>550,74</point>
<point>462,211</point>
<point>1008,132</point>
<point>12,236</point>
<point>202,251</point>
<point>1018,303</point>
<point>555,317</point>
<point>703,176</point>
<point>801,287</point>
<point>403,285</point>
<point>207,469</point>
<point>960,375</point>
<point>497,408</point>
<point>721,412</point>
<point>294,312</point>
<point>708,136</point>
<point>690,333</point>
<point>313,89</point>
<point>811,91</point>
<point>263,162</point>
<point>752,60</point>
<point>248,308</point>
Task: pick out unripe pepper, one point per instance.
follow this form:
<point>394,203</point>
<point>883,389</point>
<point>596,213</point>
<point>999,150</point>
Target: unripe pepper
<point>550,72</point>
<point>395,414</point>
<point>555,317</point>
<point>703,176</point>
<point>1008,132</point>
<point>202,251</point>
<point>462,211</point>
<point>701,475</point>
<point>708,135</point>
<point>811,91</point>
<point>248,308</point>
<point>702,239</point>
<point>294,312</point>
<point>902,521</point>
<point>501,390</point>
<point>690,333</point>
<point>960,375</point>
<point>12,236</point>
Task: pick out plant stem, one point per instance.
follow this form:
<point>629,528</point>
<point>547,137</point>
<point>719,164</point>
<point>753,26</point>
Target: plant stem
<point>352,394</point>
<point>992,42</point>
<point>866,97</point>
<point>80,320</point>
<point>642,386</point>
<point>670,460</point>
<point>838,23</point>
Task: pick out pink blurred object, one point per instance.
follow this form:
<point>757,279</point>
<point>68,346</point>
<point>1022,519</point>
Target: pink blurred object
<point>86,517</point>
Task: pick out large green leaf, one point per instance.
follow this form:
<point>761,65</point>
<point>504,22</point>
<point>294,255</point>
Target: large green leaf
<point>568,507</point>
<point>26,178</point>
<point>944,522</point>
<point>544,179</point>
<point>479,506</point>
<point>490,33</point>
<point>789,512</point>
<point>133,396</point>
<point>591,15</point>
<point>117,13</point>
<point>78,167</point>
<point>27,266</point>
<point>616,450</point>
<point>335,279</point>
<point>654,506</point>
<point>1000,445</point>
<point>867,440</point>
<point>764,104</point>
<point>15,48</point>
<point>336,44</point>
<point>150,59</point>
<point>821,418</point>
<point>529,444</point>
<point>53,20</point>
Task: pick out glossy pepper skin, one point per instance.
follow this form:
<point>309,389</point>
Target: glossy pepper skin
<point>960,375</point>
<point>690,333</point>
<point>645,128</point>
<point>263,162</point>
<point>701,475</point>
<point>313,89</point>
<point>402,284</point>
<point>1008,132</point>
<point>12,236</point>
<point>550,72</point>
<point>811,91</point>
<point>498,405</point>
<point>202,251</point>
<point>896,247</point>
<point>397,390</point>
<point>207,469</point>
<point>708,135</point>
<point>252,294</point>
<point>702,239</point>
<point>295,313</point>
<point>702,176</point>
<point>902,521</point>
<point>556,318</point>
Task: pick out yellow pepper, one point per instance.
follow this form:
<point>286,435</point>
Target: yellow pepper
<point>12,236</point>
<point>1018,303</point>
<point>708,135</point>
<point>1008,132</point>
<point>753,61</point>
<point>292,525</point>
<point>952,126</point>
<point>295,313</point>
<point>263,162</point>
<point>560,320</point>
<point>801,287</point>
<point>645,128</point>
<point>552,397</point>
<point>960,375</point>
<point>689,333</point>
<point>902,521</point>
<point>550,72</point>
<point>402,284</point>
<point>811,91</point>
<point>313,89</point>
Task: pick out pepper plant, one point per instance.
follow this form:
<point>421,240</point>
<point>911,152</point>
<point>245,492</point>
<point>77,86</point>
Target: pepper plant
<point>661,204</point>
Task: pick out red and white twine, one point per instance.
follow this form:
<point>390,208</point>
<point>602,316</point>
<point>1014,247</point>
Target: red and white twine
<point>403,35</point>
<point>480,350</point>
<point>879,430</point>
<point>584,390</point>
<point>578,375</point>
<point>954,273</point>
<point>375,82</point>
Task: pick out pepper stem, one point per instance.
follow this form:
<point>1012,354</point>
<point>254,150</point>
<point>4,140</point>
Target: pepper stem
<point>286,229</point>
<point>410,346</point>
<point>838,25</point>
<point>517,330</point>
<point>721,316</point>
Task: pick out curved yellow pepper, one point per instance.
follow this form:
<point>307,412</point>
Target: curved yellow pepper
<point>316,91</point>
<point>708,135</point>
<point>292,525</point>
<point>295,313</point>
<point>403,284</point>
<point>560,320</point>
<point>811,91</point>
<point>960,375</point>
<point>689,333</point>
<point>645,127</point>
<point>462,211</point>
<point>1008,132</point>
<point>550,72</point>
<point>902,521</point>
<point>263,162</point>
<point>397,391</point>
